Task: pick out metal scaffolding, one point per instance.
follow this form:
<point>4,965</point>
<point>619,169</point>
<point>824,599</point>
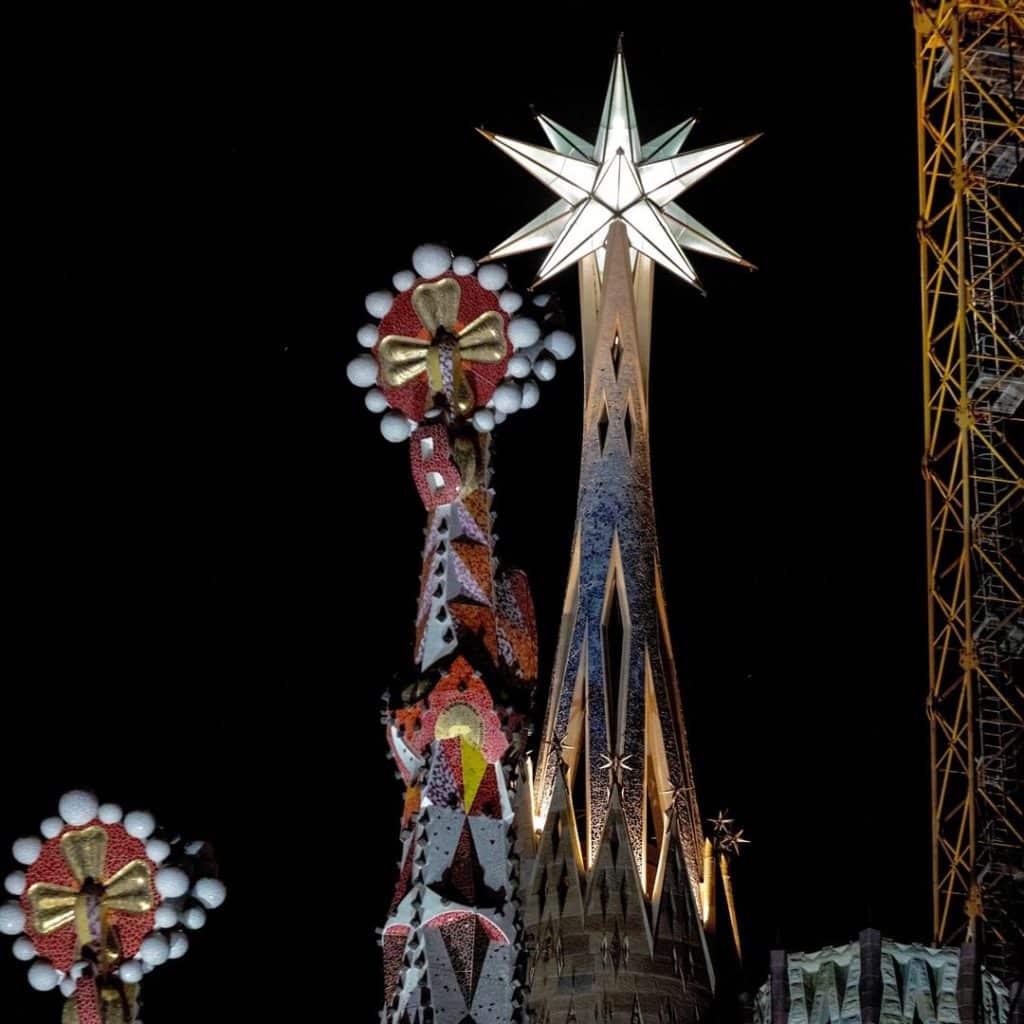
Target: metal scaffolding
<point>970,113</point>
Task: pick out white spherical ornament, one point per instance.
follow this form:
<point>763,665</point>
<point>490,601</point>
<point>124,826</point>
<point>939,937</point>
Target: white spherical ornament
<point>166,916</point>
<point>367,335</point>
<point>510,301</point>
<point>158,850</point>
<point>483,420</point>
<point>79,968</point>
<point>194,918</point>
<point>531,394</point>
<point>139,824</point>
<point>508,397</point>
<point>211,892</point>
<point>67,987</point>
<point>194,848</point>
<point>78,807</point>
<point>463,266</point>
<point>130,972</point>
<point>26,851</point>
<point>110,814</point>
<point>378,304</point>
<point>154,950</point>
<point>500,417</point>
<point>523,332</point>
<point>23,949</point>
<point>431,260</point>
<point>545,368</point>
<point>395,426</point>
<point>561,344</point>
<point>14,883</point>
<point>178,945</point>
<point>540,301</point>
<point>492,276</point>
<point>42,976</point>
<point>12,919</point>
<point>362,371</point>
<point>519,366</point>
<point>51,827</point>
<point>375,401</point>
<point>403,280</point>
<point>171,883</point>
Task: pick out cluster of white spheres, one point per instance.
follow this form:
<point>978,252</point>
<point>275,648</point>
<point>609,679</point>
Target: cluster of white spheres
<point>532,360</point>
<point>184,903</point>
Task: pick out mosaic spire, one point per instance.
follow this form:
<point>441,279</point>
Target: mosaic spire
<point>455,352</point>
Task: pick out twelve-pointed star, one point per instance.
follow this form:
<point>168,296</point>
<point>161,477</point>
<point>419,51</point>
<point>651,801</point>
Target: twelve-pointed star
<point>617,178</point>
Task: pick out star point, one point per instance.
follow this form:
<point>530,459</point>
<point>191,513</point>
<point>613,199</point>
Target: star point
<point>617,178</point>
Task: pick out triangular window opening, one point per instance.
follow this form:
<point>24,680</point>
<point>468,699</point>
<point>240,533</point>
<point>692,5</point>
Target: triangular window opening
<point>602,425</point>
<point>628,425</point>
<point>614,640</point>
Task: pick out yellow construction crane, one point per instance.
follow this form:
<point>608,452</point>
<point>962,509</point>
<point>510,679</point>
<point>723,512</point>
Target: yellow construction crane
<point>970,122</point>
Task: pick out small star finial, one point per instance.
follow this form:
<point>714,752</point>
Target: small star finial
<point>726,838</point>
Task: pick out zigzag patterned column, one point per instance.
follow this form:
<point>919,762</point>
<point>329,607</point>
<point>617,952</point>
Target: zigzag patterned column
<point>448,362</point>
<point>451,943</point>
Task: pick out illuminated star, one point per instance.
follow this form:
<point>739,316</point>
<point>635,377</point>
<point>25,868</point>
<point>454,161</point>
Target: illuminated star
<point>617,178</point>
<point>721,823</point>
<point>731,842</point>
<point>559,746</point>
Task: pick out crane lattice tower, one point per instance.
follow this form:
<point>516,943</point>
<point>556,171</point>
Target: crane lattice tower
<point>970,112</point>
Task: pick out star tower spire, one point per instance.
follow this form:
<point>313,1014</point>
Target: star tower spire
<point>613,870</point>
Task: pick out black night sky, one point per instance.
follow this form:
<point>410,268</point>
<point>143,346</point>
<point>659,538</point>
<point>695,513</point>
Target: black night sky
<point>215,554</point>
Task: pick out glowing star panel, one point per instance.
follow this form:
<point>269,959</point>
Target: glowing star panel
<point>617,178</point>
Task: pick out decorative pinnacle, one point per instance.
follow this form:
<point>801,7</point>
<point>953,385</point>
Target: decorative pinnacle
<point>726,838</point>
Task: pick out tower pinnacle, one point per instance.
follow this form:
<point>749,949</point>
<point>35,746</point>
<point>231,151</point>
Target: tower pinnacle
<point>614,893</point>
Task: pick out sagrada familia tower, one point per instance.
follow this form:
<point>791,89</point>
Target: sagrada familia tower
<point>555,865</point>
<point>571,880</point>
<point>583,888</point>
